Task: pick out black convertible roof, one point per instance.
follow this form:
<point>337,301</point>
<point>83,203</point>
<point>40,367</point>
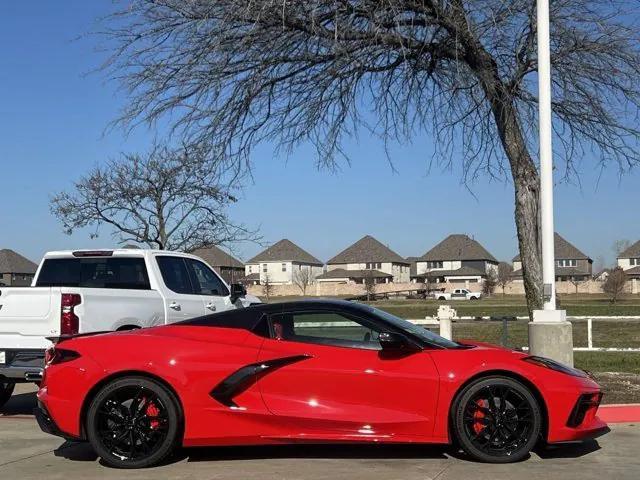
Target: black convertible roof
<point>249,317</point>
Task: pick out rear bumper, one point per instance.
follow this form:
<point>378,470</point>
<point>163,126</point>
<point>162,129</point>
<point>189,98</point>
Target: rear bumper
<point>47,425</point>
<point>24,365</point>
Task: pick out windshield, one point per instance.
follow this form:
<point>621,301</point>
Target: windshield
<point>415,330</point>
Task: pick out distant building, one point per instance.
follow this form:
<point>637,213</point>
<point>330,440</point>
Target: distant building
<point>457,259</point>
<point>16,270</point>
<point>230,268</point>
<point>571,263</point>
<point>367,258</point>
<point>629,261</point>
<point>280,263</point>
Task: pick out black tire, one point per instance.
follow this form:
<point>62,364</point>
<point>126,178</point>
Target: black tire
<point>473,298</point>
<point>441,299</point>
<point>496,420</point>
<point>6,390</point>
<point>130,435</point>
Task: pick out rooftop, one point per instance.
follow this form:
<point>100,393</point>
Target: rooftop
<point>458,247</point>
<point>12,262</point>
<point>367,249</point>
<point>285,250</point>
<point>216,257</point>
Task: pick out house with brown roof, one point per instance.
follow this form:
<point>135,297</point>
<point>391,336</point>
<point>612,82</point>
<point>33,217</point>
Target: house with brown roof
<point>366,258</point>
<point>15,270</point>
<point>457,259</point>
<point>629,261</point>
<point>280,263</point>
<point>229,267</point>
<point>571,263</point>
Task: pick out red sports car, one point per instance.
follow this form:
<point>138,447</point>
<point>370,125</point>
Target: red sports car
<point>311,371</point>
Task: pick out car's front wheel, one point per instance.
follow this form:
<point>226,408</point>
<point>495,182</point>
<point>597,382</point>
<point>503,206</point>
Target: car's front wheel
<point>497,420</point>
<point>133,422</point>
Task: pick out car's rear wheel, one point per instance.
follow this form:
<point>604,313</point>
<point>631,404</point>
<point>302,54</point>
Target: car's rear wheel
<point>6,390</point>
<point>133,422</point>
<point>497,419</point>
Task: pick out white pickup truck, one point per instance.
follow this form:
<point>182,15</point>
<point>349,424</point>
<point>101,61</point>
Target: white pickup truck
<point>86,291</point>
<point>458,294</point>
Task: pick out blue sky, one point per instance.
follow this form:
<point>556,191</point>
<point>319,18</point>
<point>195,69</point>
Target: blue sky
<point>52,130</point>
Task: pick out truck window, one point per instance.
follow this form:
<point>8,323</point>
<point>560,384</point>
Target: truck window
<point>205,281</point>
<point>117,273</point>
<point>175,274</point>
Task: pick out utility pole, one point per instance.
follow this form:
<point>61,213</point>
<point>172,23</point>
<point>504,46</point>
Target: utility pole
<point>550,335</point>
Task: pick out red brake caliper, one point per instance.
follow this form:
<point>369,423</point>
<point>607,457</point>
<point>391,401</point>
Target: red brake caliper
<point>152,411</point>
<point>478,426</point>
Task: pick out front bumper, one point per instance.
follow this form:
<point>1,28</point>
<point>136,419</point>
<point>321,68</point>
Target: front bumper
<point>582,422</point>
<point>22,365</point>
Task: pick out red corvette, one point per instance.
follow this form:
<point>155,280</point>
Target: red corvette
<point>313,371</point>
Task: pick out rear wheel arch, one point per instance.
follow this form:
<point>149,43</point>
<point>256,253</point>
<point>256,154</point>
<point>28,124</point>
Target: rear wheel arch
<point>126,374</point>
<point>507,374</point>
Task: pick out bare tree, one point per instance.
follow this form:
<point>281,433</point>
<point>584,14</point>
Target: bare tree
<point>267,286</point>
<point>490,282</point>
<point>576,282</point>
<point>614,284</point>
<point>168,198</point>
<point>369,282</point>
<point>599,264</point>
<point>620,246</point>
<point>504,275</point>
<point>302,278</point>
<point>234,73</point>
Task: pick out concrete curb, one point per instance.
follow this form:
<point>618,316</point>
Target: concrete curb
<point>620,413</point>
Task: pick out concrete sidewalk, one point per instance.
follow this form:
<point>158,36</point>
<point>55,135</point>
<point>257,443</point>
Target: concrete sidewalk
<point>27,453</point>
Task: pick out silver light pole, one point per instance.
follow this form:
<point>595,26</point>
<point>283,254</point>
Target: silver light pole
<point>550,335</point>
<point>546,157</point>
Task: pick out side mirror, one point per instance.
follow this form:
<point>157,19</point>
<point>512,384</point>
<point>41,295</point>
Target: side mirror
<point>237,290</point>
<point>396,341</point>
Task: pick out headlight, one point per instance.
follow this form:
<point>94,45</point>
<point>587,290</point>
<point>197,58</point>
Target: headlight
<point>553,365</point>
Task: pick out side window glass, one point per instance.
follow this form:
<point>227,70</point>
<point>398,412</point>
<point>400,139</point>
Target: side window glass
<point>206,282</point>
<point>175,274</point>
<point>326,328</point>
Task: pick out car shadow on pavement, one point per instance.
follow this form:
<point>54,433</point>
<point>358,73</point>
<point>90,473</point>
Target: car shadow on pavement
<point>333,451</point>
<point>82,452</point>
<point>568,450</point>
<point>20,404</point>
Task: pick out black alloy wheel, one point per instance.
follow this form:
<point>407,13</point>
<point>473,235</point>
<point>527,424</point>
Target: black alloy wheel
<point>497,420</point>
<point>133,422</point>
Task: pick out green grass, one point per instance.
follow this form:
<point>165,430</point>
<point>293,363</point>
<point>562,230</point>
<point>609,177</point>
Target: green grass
<point>606,333</point>
<point>510,307</point>
<point>628,362</point>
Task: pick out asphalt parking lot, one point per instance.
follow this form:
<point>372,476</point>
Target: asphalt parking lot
<point>26,453</point>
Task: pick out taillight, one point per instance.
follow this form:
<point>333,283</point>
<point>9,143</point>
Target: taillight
<point>54,356</point>
<point>69,321</point>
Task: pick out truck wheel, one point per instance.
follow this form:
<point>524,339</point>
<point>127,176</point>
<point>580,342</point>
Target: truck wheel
<point>6,390</point>
<point>441,298</point>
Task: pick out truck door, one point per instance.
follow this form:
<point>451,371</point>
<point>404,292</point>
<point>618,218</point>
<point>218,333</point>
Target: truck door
<point>213,292</point>
<point>180,297</point>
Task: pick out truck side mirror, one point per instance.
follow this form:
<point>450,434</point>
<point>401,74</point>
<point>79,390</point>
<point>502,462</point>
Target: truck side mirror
<point>237,290</point>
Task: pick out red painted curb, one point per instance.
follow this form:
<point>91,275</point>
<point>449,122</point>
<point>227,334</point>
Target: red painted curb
<point>620,413</point>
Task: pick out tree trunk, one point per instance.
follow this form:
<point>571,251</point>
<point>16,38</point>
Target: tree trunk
<point>526,183</point>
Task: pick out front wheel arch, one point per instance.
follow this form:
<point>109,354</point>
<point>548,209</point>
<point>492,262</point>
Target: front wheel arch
<point>129,373</point>
<point>544,431</point>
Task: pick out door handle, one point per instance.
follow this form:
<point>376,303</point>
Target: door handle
<point>174,305</point>
<point>211,306</point>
